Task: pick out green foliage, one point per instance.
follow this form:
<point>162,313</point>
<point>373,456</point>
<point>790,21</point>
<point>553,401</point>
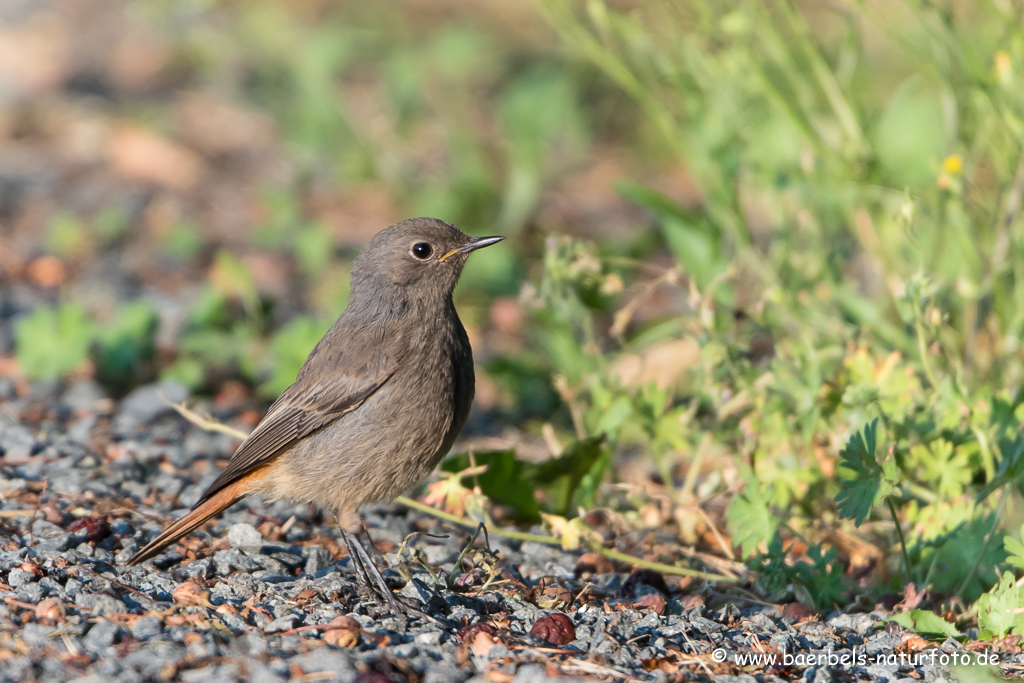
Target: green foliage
<point>865,480</point>
<point>110,224</point>
<point>1014,550</point>
<point>831,246</point>
<point>566,482</point>
<point>751,521</point>
<point>542,123</point>
<point>1001,610</point>
<point>818,582</point>
<point>182,242</point>
<point>53,342</point>
<point>910,136</point>
<point>66,235</point>
<point>977,673</point>
<point>925,623</point>
<point>502,468</point>
<point>313,247</point>
<point>126,347</point>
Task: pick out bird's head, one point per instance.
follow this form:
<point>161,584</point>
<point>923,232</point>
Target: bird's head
<point>419,257</point>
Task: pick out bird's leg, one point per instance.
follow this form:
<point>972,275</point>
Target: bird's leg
<point>369,576</point>
<point>371,581</point>
<point>362,576</point>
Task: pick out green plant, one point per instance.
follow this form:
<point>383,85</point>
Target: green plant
<point>125,348</point>
<point>1001,610</point>
<point>53,342</point>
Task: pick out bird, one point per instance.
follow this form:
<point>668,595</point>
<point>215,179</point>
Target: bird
<point>377,404</point>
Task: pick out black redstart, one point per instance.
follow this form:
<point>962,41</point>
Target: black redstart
<point>378,402</point>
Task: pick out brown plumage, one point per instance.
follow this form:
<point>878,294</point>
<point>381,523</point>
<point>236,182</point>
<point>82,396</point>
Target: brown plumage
<point>380,399</point>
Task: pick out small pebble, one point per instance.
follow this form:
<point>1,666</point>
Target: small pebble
<point>245,537</point>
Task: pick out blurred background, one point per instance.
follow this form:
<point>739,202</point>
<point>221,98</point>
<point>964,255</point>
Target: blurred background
<point>739,231</point>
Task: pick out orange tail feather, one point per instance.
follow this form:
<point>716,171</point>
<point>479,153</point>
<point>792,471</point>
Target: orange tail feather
<point>200,514</point>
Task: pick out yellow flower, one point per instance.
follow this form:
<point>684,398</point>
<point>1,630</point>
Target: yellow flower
<point>953,164</point>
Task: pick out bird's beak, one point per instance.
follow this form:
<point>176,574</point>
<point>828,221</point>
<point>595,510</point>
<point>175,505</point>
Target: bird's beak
<point>474,244</point>
<point>480,242</point>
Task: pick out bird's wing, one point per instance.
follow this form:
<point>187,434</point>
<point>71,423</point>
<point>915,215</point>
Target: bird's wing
<point>304,408</point>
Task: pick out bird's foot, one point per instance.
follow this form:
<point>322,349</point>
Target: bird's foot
<point>371,584</point>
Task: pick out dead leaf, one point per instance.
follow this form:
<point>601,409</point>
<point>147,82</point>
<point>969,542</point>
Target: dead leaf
<point>50,611</point>
<point>137,59</point>
<point>46,271</point>
<point>138,154</point>
<point>592,563</point>
<point>341,637</point>
<point>662,363</point>
<point>912,599</point>
<point>911,643</point>
<point>651,602</point>
<point>482,644</point>
<point>33,55</point>
<point>192,594</point>
<point>217,127</point>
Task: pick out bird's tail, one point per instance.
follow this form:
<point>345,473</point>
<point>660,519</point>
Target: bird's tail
<point>201,513</point>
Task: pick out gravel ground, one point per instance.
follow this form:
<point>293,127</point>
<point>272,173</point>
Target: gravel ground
<point>266,594</point>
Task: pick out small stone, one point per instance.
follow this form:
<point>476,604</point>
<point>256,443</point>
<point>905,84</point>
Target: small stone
<point>100,603</point>
<point>102,635</point>
<point>859,623</point>
<point>147,627</point>
<point>19,577</point>
<point>58,543</point>
<point>261,673</point>
<point>84,396</point>
<point>229,560</point>
<point>439,673</point>
<point>245,537</point>
<point>148,402</point>
<point>416,591</point>
<point>200,569</point>
<point>317,558</point>
<point>36,636</point>
<point>287,559</point>
<point>122,527</point>
<point>428,638</point>
<point>280,625</point>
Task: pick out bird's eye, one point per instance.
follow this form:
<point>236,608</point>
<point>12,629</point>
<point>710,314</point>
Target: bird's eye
<point>422,250</point>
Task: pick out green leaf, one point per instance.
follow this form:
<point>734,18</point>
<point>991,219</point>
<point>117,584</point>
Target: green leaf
<point>1000,610</point>
<point>563,478</point>
<point>750,517</point>
<point>51,343</point>
<point>910,136</point>
<point>1014,549</point>
<point>656,201</point>
<point>976,673</point>
<point>863,480</point>
<point>823,577</point>
<point>696,246</point>
<point>948,468</point>
<point>127,345</point>
<point>314,247</point>
<point>507,481</point>
<point>926,623</point>
<point>512,482</point>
